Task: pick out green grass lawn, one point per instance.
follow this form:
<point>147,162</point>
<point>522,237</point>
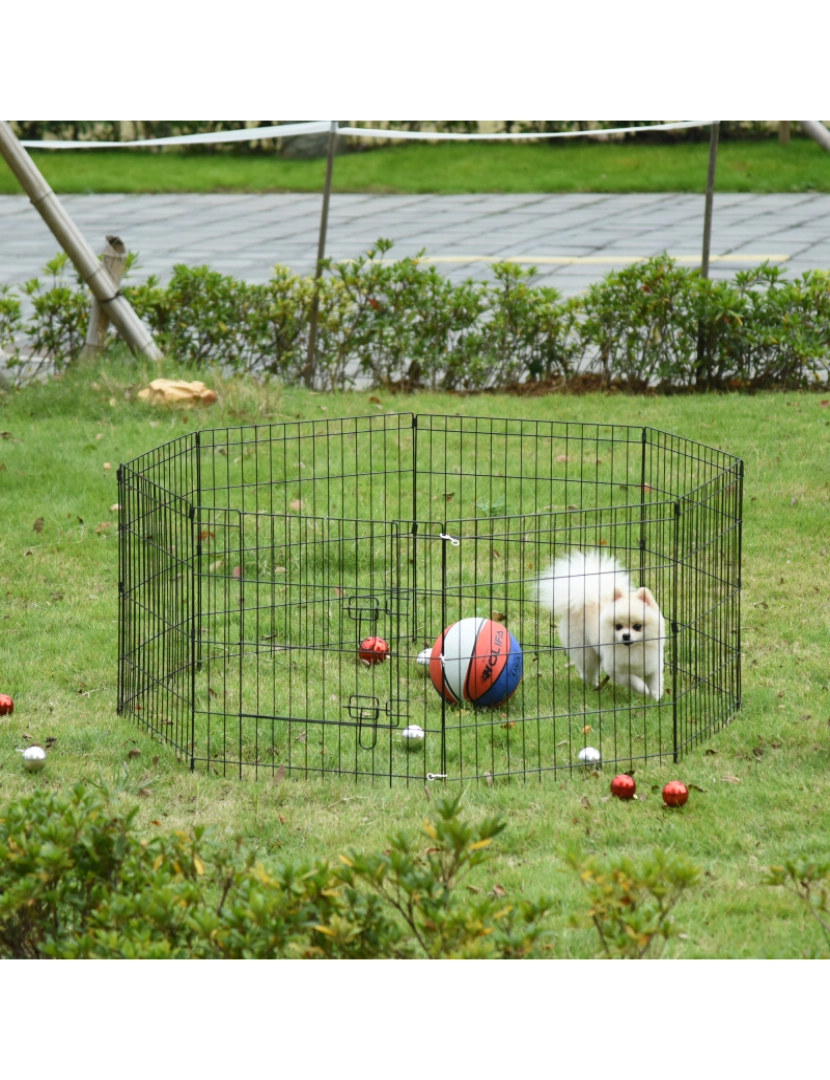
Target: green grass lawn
<point>762,785</point>
<point>449,168</point>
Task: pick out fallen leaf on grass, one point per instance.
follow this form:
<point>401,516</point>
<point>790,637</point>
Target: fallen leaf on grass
<point>206,534</point>
<point>279,775</point>
<point>499,890</point>
<point>694,787</point>
<point>584,801</point>
<point>38,525</point>
<point>102,526</point>
<point>237,572</point>
<point>134,753</point>
<point>144,793</point>
<point>297,504</point>
<point>561,457</point>
<point>587,729</point>
<point>115,508</point>
<point>107,466</point>
<point>731,779</point>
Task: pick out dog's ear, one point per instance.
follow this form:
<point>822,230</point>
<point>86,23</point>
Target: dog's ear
<point>619,593</point>
<point>645,595</point>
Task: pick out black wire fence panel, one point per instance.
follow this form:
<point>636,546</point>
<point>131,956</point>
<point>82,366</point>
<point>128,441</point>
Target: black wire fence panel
<point>254,562</point>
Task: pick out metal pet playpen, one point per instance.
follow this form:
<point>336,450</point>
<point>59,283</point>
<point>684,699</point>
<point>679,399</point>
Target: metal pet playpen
<point>254,560</point>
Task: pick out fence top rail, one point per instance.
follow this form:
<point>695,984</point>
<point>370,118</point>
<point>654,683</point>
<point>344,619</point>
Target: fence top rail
<point>713,459</point>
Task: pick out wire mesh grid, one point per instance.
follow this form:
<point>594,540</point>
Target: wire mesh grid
<point>255,560</point>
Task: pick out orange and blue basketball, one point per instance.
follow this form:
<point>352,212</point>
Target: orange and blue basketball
<point>476,660</point>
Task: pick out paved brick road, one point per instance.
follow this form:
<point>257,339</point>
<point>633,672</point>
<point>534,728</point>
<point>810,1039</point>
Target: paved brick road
<point>573,239</point>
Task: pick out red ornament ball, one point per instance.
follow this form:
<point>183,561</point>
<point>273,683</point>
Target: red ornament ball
<point>675,793</point>
<point>623,786</point>
<point>374,650</point>
<point>6,705</point>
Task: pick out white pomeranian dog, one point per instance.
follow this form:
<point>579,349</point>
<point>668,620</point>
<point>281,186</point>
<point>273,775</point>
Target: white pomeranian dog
<point>604,623</point>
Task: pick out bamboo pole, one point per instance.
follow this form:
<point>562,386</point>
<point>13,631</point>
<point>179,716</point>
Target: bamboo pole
<point>311,361</point>
<point>710,196</point>
<point>816,130</point>
<point>70,238</point>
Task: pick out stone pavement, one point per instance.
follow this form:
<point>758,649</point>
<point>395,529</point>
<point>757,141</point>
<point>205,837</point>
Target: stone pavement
<point>573,239</point>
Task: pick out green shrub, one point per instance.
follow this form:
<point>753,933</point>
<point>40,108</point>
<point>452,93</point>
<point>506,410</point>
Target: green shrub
<point>77,880</point>
<point>403,324</point>
<point>639,322</point>
<point>631,904</point>
<point>809,881</point>
<point>10,322</point>
<point>422,887</point>
<point>56,330</point>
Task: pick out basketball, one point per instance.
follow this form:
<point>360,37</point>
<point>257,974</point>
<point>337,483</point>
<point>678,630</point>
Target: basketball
<point>476,660</point>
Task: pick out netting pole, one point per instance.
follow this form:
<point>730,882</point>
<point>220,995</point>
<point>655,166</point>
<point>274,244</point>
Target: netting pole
<point>311,362</point>
<point>710,194</point>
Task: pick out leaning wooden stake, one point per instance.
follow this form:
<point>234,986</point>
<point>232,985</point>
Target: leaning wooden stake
<point>66,232</point>
<point>114,257</point>
<point>710,196</point>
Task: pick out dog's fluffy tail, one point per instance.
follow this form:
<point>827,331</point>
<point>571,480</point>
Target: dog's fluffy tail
<point>579,579</point>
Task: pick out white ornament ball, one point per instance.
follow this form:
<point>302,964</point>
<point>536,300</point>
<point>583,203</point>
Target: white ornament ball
<point>423,658</point>
<point>34,758</point>
<point>589,756</point>
<point>413,736</point>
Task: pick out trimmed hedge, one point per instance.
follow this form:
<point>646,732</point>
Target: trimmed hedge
<point>382,323</point>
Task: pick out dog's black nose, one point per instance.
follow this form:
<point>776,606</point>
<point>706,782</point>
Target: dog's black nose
<point>626,639</point>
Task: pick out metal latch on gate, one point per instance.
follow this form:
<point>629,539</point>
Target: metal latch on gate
<point>398,601</point>
<point>363,607</point>
<point>365,709</point>
<point>397,709</point>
